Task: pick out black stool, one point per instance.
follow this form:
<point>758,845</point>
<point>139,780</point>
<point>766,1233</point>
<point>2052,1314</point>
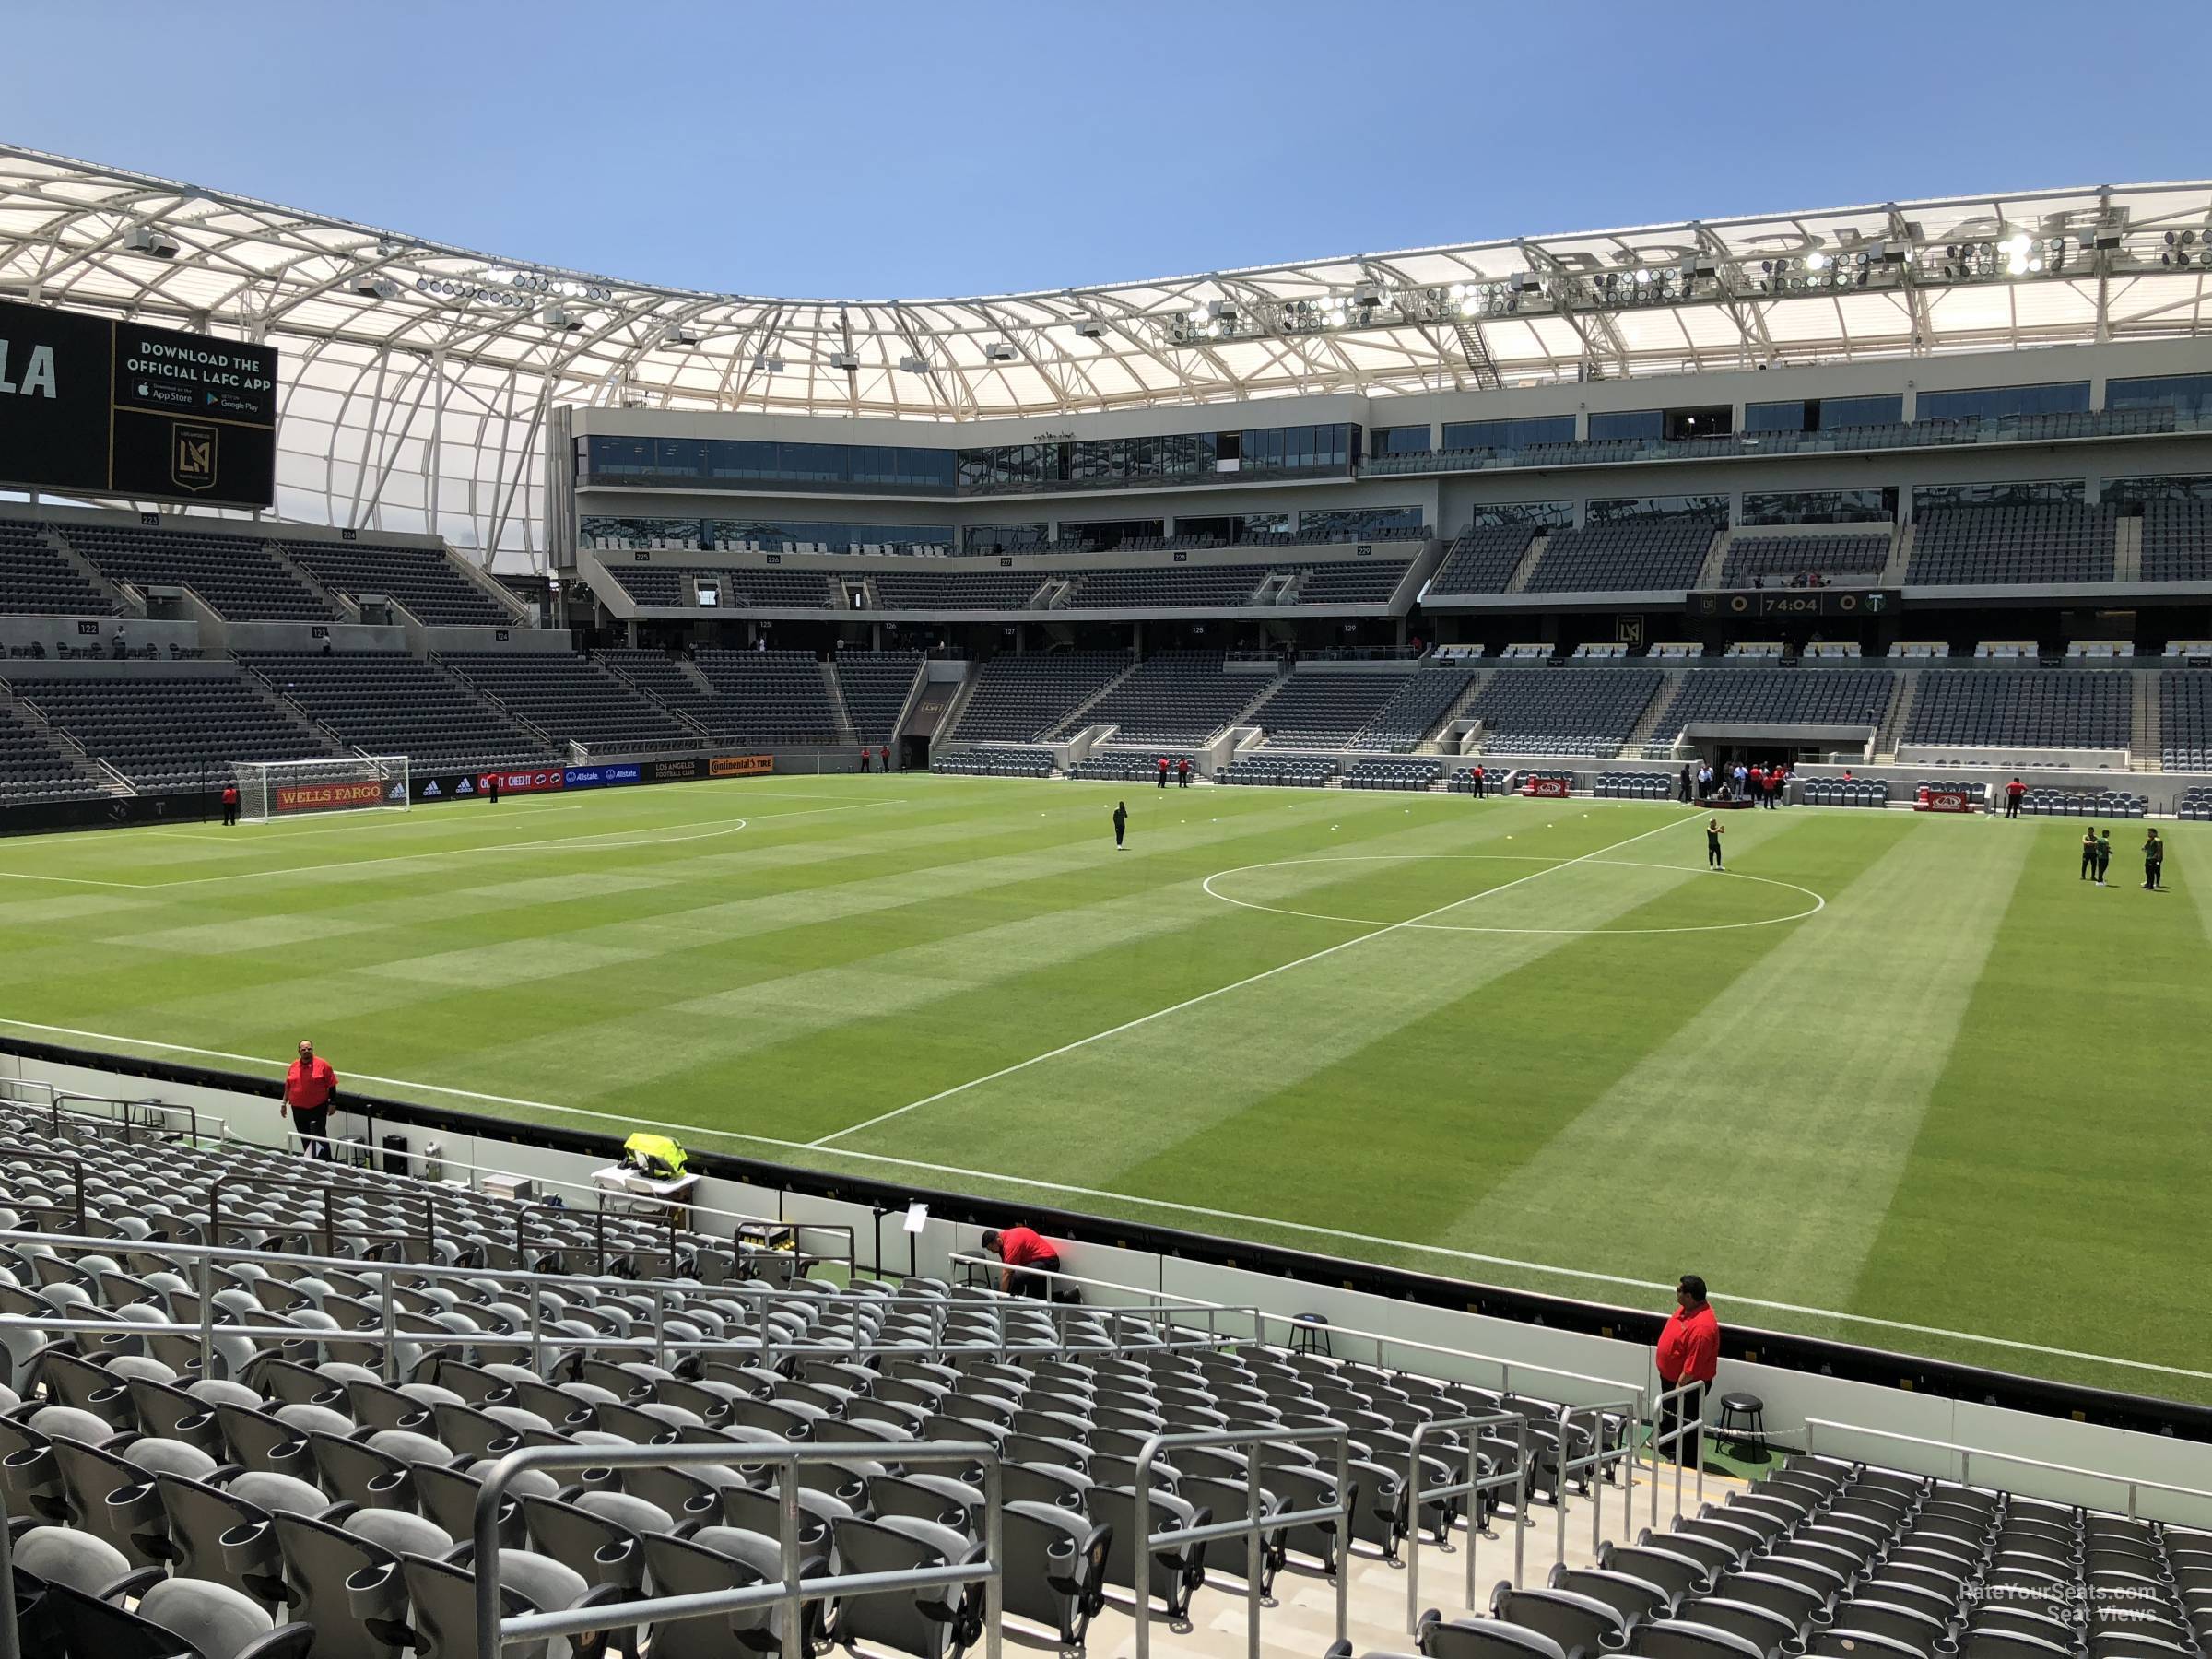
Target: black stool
<point>1744,1418</point>
<point>1310,1334</point>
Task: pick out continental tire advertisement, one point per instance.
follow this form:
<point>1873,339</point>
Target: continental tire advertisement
<point>102,407</point>
<point>740,766</point>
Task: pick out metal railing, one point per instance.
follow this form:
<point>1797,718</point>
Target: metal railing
<point>2134,1485</point>
<point>1475,1484</point>
<point>1689,1401</point>
<point>758,1342</point>
<point>75,1165</point>
<point>62,1103</point>
<point>1626,1454</point>
<point>790,1594</point>
<point>1252,1529</point>
<point>1506,1368</point>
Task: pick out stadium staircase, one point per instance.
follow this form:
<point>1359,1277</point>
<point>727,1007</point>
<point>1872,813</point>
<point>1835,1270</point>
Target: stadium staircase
<point>2146,740</point>
<point>1526,569</point>
<point>1716,560</point>
<point>2127,553</point>
<point>1893,725</point>
<point>1082,708</point>
<point>1433,744</point>
<point>529,728</point>
<point>1900,558</point>
<point>1647,724</point>
<point>121,601</point>
<point>254,680</point>
<point>96,775</point>
<point>847,734</point>
<point>341,606</point>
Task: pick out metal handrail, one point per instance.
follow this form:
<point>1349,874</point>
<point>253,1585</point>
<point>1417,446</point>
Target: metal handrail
<point>493,1632</point>
<point>1474,1486</point>
<point>326,1188</point>
<point>1158,1299</point>
<point>1595,1461</point>
<point>1506,1366</point>
<point>1692,1422</point>
<point>2136,1485</point>
<point>1252,1528</point>
<point>76,1166</point>
<point>743,1219</point>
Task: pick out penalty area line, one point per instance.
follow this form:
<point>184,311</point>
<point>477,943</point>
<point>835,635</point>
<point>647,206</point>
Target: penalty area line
<point>1241,1217</point>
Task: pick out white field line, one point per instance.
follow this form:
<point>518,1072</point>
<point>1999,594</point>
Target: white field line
<point>1206,996</point>
<point>600,837</point>
<point>274,829</point>
<point>1238,1217</point>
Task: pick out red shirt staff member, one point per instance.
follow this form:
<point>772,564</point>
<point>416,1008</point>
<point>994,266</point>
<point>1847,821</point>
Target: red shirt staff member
<point>308,1087</point>
<point>1021,1247</point>
<point>1689,1351</point>
<point>230,804</point>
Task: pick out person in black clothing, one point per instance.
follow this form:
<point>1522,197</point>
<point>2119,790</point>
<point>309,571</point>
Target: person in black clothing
<point>1686,785</point>
<point>1121,821</point>
<point>491,789</point>
<point>1712,843</point>
<point>2104,855</point>
<point>2154,860</point>
<point>1182,772</point>
<point>230,804</point>
<point>2089,854</point>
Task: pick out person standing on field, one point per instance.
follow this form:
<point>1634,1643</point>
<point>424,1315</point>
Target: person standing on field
<point>230,804</point>
<point>2089,854</point>
<point>1121,823</point>
<point>1182,772</point>
<point>883,754</point>
<point>1685,783</point>
<point>2104,855</point>
<point>1689,1351</point>
<point>2154,860</point>
<point>863,758</point>
<point>2013,792</point>
<point>1713,843</point>
<point>308,1087</point>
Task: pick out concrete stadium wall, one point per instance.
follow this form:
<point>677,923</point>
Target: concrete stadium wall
<point>1576,1367</point>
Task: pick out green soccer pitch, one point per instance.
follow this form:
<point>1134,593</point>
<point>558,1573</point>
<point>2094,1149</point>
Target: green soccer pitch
<point>1896,1079</point>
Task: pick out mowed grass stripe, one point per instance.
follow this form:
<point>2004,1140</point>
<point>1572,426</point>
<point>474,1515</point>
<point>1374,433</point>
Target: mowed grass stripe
<point>1751,1081</point>
<point>2056,1176</point>
<point>1439,1110</point>
<point>1129,1096</point>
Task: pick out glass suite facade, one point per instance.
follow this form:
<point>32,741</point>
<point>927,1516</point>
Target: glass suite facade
<point>1824,413</point>
<point>1989,403</point>
<point>1509,434</point>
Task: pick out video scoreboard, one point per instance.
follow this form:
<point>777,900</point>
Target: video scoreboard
<point>96,406</point>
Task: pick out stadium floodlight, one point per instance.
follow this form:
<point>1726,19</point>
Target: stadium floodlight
<point>677,335</point>
<point>155,244</point>
<point>766,364</point>
<point>914,365</point>
<point>1000,351</point>
<point>277,789</point>
<point>844,359</point>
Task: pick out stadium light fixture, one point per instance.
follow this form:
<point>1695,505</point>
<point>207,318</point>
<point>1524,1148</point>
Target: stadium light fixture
<point>846,360</point>
<point>676,335</point>
<point>914,365</point>
<point>155,244</point>
<point>372,287</point>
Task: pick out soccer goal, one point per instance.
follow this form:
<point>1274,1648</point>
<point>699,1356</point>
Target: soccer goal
<point>277,789</point>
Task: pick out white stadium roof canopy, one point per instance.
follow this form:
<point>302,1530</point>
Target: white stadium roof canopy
<point>420,376</point>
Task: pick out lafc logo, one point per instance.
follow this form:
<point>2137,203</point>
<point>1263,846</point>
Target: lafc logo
<point>192,451</point>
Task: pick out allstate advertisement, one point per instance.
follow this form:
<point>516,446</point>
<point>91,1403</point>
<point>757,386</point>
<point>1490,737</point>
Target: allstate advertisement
<point>602,777</point>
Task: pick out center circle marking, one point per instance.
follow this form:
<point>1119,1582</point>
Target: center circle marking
<point>1818,904</point>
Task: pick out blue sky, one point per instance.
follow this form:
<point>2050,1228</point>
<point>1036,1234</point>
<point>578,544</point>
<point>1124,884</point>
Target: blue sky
<point>874,151</point>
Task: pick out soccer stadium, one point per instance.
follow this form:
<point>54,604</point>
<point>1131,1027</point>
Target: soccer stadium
<point>950,944</point>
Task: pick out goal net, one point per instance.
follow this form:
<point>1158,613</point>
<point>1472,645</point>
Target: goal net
<point>277,789</point>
